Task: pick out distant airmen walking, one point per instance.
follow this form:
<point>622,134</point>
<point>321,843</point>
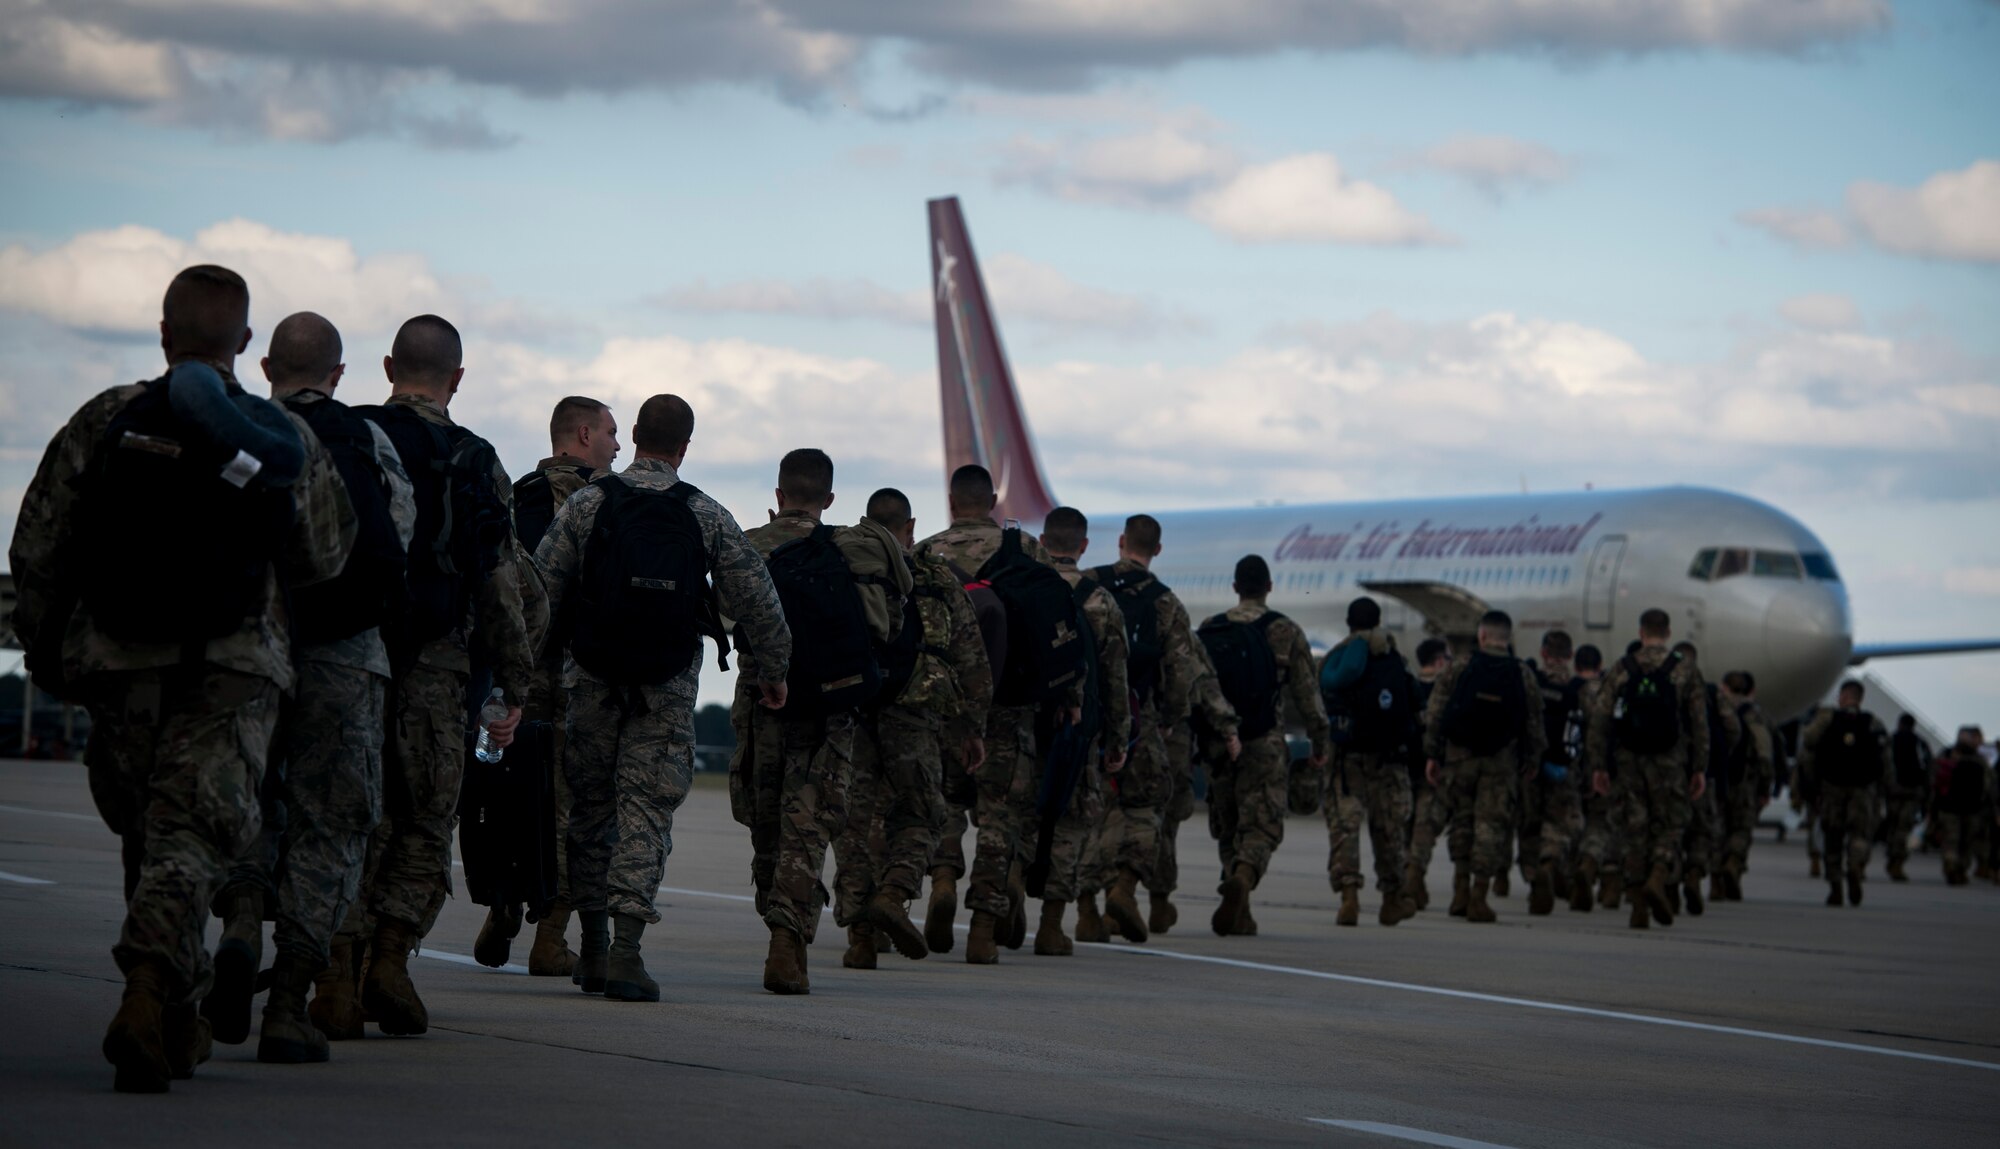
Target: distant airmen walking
<point>1844,756</point>
<point>1372,704</point>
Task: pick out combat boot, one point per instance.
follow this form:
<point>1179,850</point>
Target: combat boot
<point>980,947</point>
<point>1350,908</point>
<point>1655,895</point>
<point>238,957</point>
<point>387,993</point>
<point>1674,895</point>
<point>1015,929</point>
<point>1121,905</point>
<point>1541,893</point>
<point>496,935</point>
<point>1558,879</point>
<point>1641,919</point>
<point>1246,925</point>
<point>336,1002</point>
<point>1050,941</point>
<point>1815,866</point>
<point>287,1037</point>
<point>187,1037</point>
<point>551,956</point>
<point>1582,886</point>
<point>1854,887</point>
<point>860,947</point>
<point>1718,886</point>
<point>1162,914</point>
<point>1396,907</point>
<point>1691,895</point>
<point>592,963</point>
<point>941,911</point>
<point>625,977</point>
<point>1735,875</point>
<point>1833,897</point>
<point>135,1045</point>
<point>1235,891</point>
<point>1413,885</point>
<point>1896,873</point>
<point>785,965</point>
<point>1461,891</point>
<point>1502,886</point>
<point>1477,908</point>
<point>1611,889</point>
<point>892,921</point>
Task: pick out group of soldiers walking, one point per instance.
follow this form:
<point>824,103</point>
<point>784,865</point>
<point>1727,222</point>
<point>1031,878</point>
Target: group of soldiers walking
<point>282,614</point>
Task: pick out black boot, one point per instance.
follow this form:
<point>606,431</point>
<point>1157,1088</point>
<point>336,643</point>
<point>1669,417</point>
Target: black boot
<point>592,962</point>
<point>237,958</point>
<point>288,1036</point>
<point>625,977</point>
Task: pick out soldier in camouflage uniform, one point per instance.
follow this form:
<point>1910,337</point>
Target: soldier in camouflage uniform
<point>1599,858</point>
<point>1962,804</point>
<point>1247,790</point>
<point>408,873</point>
<point>1844,756</point>
<point>179,727</point>
<point>1428,803</point>
<point>1483,784</point>
<point>1211,709</point>
<point>1651,788</point>
<point>629,755</point>
<point>895,800</point>
<point>1703,838</point>
<point>1748,797</point>
<point>1079,833</point>
<point>1551,809</point>
<point>583,442</point>
<point>1368,784</point>
<point>1909,785</point>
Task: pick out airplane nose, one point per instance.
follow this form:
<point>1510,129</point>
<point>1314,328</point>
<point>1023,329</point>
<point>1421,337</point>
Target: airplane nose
<point>1807,640</point>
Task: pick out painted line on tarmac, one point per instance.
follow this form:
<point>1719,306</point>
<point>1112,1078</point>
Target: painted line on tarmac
<point>1406,1133</point>
<point>24,879</point>
<point>467,959</point>
<point>1558,1007</point>
<point>50,813</point>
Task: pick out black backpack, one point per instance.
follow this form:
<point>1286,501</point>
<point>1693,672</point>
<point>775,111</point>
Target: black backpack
<point>1560,707</point>
<point>643,601</point>
<point>1912,760</point>
<point>1138,595</point>
<point>170,546</point>
<point>372,590</point>
<point>1068,751</point>
<point>1485,711</point>
<point>1380,708</point>
<point>1726,759</point>
<point>1246,668</point>
<point>1962,784</point>
<point>535,506</point>
<point>1849,753</point>
<point>462,523</point>
<point>833,654</point>
<point>1648,712</point>
<point>1046,650</point>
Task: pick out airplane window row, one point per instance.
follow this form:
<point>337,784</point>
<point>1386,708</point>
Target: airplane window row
<point>1714,564</point>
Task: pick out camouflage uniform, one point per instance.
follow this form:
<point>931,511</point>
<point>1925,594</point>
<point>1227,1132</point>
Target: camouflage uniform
<point>1429,805</point>
<point>1247,798</point>
<point>1901,804</point>
<point>1551,810</point>
<point>1701,846</point>
<point>1847,813</point>
<point>629,755</point>
<point>1083,847</point>
<point>1746,800</point>
<point>1483,787</point>
<point>1602,838</point>
<point>1371,787</point>
<point>1650,791</point>
<point>546,701</point>
<point>1961,833</point>
<point>177,747</point>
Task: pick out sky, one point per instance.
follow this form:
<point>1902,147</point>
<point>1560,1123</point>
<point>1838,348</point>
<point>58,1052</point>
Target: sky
<point>1416,247</point>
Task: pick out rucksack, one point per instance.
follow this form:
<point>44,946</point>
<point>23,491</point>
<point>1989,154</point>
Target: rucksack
<point>174,542</point>
<point>372,590</point>
<point>1912,760</point>
<point>643,601</point>
<point>991,615</point>
<point>1725,758</point>
<point>1246,668</point>
<point>1485,711</point>
<point>462,523</point>
<point>1961,783</point>
<point>1379,711</point>
<point>1068,750</point>
<point>1647,715</point>
<point>833,654</point>
<point>1849,753</point>
<point>1560,707</point>
<point>1138,595</point>
<point>1045,640</point>
<point>535,506</point>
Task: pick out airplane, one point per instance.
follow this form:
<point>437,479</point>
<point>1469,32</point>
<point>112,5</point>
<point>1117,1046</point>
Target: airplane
<point>1750,586</point>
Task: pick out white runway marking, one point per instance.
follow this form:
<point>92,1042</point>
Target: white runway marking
<point>467,959</point>
<point>1558,1007</point>
<point>24,880</point>
<point>51,813</point>
<point>1405,1133</point>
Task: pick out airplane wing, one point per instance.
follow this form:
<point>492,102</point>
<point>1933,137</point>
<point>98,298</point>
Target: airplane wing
<point>1454,611</point>
<point>1866,650</point>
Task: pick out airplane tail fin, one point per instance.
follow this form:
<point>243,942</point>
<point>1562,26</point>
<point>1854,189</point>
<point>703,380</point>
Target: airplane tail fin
<point>983,419</point>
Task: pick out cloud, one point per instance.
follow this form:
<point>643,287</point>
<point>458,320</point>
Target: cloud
<point>809,299</point>
<point>1495,165</point>
<point>1823,312</point>
<point>1983,581</point>
<point>1307,198</point>
<point>1953,215</point>
<point>1162,165</point>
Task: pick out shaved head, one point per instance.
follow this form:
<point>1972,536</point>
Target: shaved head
<point>206,312</point>
<point>665,426</point>
<point>427,352</point>
<point>1066,532</point>
<point>305,350</point>
<point>972,488</point>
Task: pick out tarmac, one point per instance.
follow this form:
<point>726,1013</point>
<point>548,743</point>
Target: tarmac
<point>1775,1021</point>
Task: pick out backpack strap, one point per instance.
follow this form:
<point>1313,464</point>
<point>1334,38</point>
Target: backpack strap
<point>1085,587</point>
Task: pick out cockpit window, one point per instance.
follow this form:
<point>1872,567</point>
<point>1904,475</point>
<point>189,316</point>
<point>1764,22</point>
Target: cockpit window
<point>1820,566</point>
<point>1732,562</point>
<point>1776,564</point>
<point>1703,565</point>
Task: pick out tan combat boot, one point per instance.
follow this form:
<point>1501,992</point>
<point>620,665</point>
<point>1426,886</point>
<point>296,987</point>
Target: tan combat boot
<point>784,965</point>
<point>238,957</point>
<point>1641,919</point>
<point>625,976</point>
<point>387,993</point>
<point>551,956</point>
<point>1896,873</point>
<point>1161,913</point>
<point>1718,886</point>
<point>1502,885</point>
<point>1854,887</point>
<point>1235,891</point>
<point>1014,929</point>
<point>1050,941</point>
<point>1121,905</point>
<point>1833,897</point>
<point>1090,925</point>
<point>1815,866</point>
<point>1413,885</point>
<point>1476,907</point>
<point>860,947</point>
<point>135,1045</point>
<point>287,1037</point>
<point>336,1002</point>
<point>1396,907</point>
<point>1655,896</point>
<point>1583,886</point>
<point>496,935</point>
<point>1350,908</point>
<point>1461,891</point>
<point>1691,895</point>
<point>892,921</point>
<point>942,911</point>
<point>1611,889</point>
<point>980,946</point>
<point>188,1038</point>
<point>1541,892</point>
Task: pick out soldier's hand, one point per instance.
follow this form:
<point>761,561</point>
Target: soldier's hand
<point>975,754</point>
<point>1698,786</point>
<point>1114,761</point>
<point>502,732</point>
<point>1318,761</point>
<point>1600,783</point>
<point>1076,716</point>
<point>774,695</point>
<point>1234,746</point>
<point>1433,773</point>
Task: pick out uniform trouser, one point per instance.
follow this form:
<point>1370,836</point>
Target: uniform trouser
<point>1099,870</point>
<point>1143,785</point>
<point>1086,837</point>
<point>549,703</point>
<point>1899,821</point>
<point>1704,831</point>
<point>1246,804</point>
<point>323,798</point>
<point>175,759</point>
<point>1550,823</point>
<point>1957,842</point>
<point>1847,821</point>
<point>793,796</point>
<point>630,760</point>
<point>408,872</point>
<point>1006,786</point>
<point>1482,810</point>
<point>1428,820</point>
<point>1651,792</point>
<point>1739,823</point>
<point>1179,808</point>
<point>1603,837</point>
<point>1367,788</point>
<point>895,810</point>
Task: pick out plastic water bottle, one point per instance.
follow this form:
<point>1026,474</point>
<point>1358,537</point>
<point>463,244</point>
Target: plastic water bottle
<point>495,710</point>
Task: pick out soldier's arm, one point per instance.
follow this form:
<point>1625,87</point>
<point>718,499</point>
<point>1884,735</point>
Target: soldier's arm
<point>1434,713</point>
<point>402,492</point>
<point>1178,668</point>
<point>1597,731</point>
<point>323,522</point>
<point>1114,687</point>
<point>743,582</point>
<point>560,556</point>
<point>48,512</point>
<point>1535,739</point>
<point>1694,698</point>
<point>968,657</point>
<point>1207,697</point>
<point>1808,765</point>
<point>1303,683</point>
